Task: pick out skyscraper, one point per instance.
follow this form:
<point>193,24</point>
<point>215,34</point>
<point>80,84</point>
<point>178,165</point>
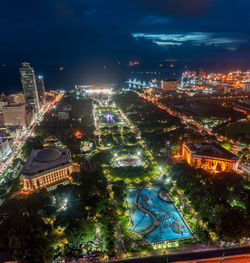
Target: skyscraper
<point>40,88</point>
<point>28,81</point>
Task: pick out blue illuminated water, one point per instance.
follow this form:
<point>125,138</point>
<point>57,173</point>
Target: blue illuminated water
<point>171,224</point>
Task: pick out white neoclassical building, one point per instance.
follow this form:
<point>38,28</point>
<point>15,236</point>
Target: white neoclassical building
<point>47,168</point>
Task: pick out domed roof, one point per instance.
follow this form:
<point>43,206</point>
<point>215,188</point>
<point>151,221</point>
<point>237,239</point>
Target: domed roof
<point>48,155</point>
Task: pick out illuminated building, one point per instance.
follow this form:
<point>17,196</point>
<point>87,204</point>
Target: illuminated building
<point>47,168</point>
<point>40,88</point>
<point>28,81</point>
<point>246,87</point>
<point>169,85</point>
<point>15,115</point>
<point>209,156</point>
<point>5,149</point>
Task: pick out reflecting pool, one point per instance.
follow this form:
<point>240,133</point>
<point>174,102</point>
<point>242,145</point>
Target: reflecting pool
<point>157,219</point>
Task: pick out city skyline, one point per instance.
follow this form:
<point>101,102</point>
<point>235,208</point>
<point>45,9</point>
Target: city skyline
<point>124,131</point>
<point>68,41</point>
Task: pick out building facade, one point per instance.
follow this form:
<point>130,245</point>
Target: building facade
<point>1,120</point>
<point>246,87</point>
<point>5,149</point>
<point>169,85</point>
<point>19,98</point>
<point>47,168</point>
<point>15,115</point>
<point>2,104</point>
<point>210,157</point>
<point>28,81</point>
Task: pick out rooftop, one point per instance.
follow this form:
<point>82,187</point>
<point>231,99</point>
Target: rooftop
<point>210,149</point>
<point>46,159</point>
<point>13,105</point>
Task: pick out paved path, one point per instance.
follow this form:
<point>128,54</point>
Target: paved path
<point>139,206</point>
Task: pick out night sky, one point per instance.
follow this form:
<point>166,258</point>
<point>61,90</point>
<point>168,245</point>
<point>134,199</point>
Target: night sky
<point>94,39</point>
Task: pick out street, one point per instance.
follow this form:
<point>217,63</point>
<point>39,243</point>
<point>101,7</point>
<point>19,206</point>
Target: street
<point>19,143</point>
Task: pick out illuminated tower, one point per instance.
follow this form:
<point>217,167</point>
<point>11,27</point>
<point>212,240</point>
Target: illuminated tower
<point>28,81</point>
<point>40,88</point>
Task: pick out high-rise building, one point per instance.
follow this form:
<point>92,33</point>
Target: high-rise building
<point>28,80</point>
<point>15,115</point>
<point>40,88</point>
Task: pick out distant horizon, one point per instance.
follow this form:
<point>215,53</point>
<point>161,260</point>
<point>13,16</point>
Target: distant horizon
<point>93,40</point>
<point>62,79</point>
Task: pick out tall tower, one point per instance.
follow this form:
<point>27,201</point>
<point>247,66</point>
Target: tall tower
<point>28,81</point>
<point>40,88</point>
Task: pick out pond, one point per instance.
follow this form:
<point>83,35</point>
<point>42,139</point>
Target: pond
<point>163,222</point>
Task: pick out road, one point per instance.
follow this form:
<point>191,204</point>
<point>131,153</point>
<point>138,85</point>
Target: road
<point>19,143</point>
<point>189,123</point>
<point>231,255</point>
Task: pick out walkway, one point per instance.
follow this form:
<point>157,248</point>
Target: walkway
<point>139,206</point>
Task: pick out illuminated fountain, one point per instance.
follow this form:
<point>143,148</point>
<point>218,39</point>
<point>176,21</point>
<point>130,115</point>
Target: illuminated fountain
<point>128,160</point>
<point>109,118</point>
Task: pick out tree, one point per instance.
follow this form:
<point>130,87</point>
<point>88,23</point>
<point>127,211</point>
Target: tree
<point>32,143</point>
<point>119,193</point>
<point>221,200</point>
<point>23,229</point>
<point>81,232</point>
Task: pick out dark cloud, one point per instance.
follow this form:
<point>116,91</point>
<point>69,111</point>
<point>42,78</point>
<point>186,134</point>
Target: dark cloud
<point>184,8</point>
<point>85,35</point>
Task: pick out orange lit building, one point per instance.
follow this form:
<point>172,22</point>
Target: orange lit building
<point>47,168</point>
<point>210,157</point>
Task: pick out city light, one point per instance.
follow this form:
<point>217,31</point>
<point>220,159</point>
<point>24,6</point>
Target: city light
<point>98,91</point>
<point>139,150</point>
